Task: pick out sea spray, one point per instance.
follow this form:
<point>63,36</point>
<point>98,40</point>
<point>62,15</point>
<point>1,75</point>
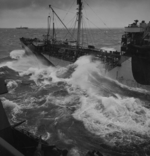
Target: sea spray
<point>8,103</point>
<point>115,114</point>
<point>80,100</point>
<point>17,54</point>
<point>22,62</point>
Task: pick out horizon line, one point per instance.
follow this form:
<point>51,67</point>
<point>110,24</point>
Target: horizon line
<point>61,28</point>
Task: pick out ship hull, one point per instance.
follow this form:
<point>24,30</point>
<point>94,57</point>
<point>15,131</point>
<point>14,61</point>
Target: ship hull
<point>57,62</point>
<point>30,50</point>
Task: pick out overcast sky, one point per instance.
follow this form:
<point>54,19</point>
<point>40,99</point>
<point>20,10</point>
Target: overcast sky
<point>101,13</point>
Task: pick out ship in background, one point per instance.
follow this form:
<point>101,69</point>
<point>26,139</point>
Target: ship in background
<point>22,27</point>
<point>130,66</point>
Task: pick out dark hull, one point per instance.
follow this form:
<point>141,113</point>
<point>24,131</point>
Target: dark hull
<point>141,70</point>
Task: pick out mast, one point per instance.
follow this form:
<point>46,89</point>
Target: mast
<point>53,25</point>
<point>48,22</point>
<point>53,28</point>
<point>79,21</point>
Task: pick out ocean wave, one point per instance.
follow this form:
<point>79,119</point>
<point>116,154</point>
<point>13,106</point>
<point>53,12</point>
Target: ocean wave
<point>21,62</point>
<point>12,84</point>
<point>17,54</point>
<point>8,103</point>
<point>107,109</point>
<point>103,109</point>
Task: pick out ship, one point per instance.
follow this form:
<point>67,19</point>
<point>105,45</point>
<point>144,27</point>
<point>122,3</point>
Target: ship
<point>130,65</point>
<point>22,27</point>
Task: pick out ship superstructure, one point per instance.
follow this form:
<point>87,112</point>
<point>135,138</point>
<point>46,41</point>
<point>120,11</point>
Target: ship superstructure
<point>136,44</point>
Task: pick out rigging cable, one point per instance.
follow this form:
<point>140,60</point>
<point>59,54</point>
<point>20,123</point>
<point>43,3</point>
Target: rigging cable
<point>91,34</point>
<point>71,21</point>
<point>97,16</point>
<point>84,24</point>
<point>86,37</point>
<point>61,9</point>
<point>88,31</point>
<point>73,30</point>
<point>95,13</point>
<point>68,10</point>
<point>93,39</point>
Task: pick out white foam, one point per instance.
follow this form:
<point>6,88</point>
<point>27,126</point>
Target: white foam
<point>106,115</point>
<point>23,62</point>
<point>63,101</point>
<point>17,54</point>
<point>12,84</point>
<point>7,103</point>
<point>74,152</point>
<point>85,68</point>
<point>101,115</point>
<point>42,76</point>
<point>46,136</point>
<point>141,90</point>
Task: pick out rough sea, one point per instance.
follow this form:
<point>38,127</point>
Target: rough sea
<point>75,107</point>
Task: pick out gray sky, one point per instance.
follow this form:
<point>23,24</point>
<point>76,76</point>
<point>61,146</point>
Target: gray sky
<point>101,13</point>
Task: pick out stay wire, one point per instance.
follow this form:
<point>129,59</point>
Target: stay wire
<point>73,31</point>
<point>86,38</point>
<point>98,17</point>
<point>71,21</point>
<point>62,9</point>
<point>71,27</point>
<point>88,32</point>
<point>95,25</point>
<point>68,10</point>
<point>95,13</point>
<point>93,38</point>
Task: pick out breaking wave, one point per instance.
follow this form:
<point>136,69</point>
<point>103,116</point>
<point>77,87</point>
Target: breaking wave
<point>22,62</point>
<point>17,54</point>
<point>78,102</point>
